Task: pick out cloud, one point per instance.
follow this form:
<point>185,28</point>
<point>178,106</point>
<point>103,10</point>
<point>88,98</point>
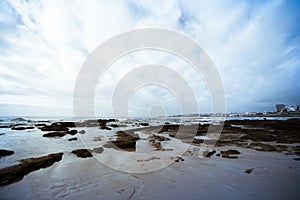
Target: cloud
<point>43,44</point>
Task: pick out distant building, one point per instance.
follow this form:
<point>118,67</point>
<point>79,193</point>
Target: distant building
<point>279,107</point>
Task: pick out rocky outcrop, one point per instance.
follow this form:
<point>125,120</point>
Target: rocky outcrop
<point>82,153</point>
<point>208,154</point>
<point>154,138</point>
<point>54,128</point>
<point>20,128</point>
<point>55,134</point>
<point>60,133</point>
<point>169,128</point>
<point>229,153</point>
<point>16,173</point>
<point>73,139</point>
<point>125,141</point>
<point>4,152</point>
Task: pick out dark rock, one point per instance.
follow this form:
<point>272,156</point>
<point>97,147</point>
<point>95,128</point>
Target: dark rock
<point>4,152</point>
<point>208,154</point>
<point>12,174</point>
<point>72,132</point>
<point>125,140</point>
<point>154,138</point>
<point>248,171</point>
<point>144,124</point>
<point>95,122</point>
<point>4,126</point>
<point>73,139</point>
<point>20,128</point>
<point>229,153</point>
<point>168,128</point>
<point>218,154</point>
<point>82,132</point>
<point>104,128</point>
<point>118,125</point>
<point>55,134</point>
<point>178,159</point>
<point>54,128</point>
<point>297,159</point>
<point>40,125</point>
<point>198,141</point>
<point>98,150</point>
<point>82,153</point>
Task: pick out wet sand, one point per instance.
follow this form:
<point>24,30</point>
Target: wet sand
<point>266,166</point>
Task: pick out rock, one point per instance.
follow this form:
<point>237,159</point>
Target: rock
<point>20,128</point>
<point>98,150</point>
<point>248,171</point>
<point>297,159</point>
<point>235,152</point>
<point>12,174</point>
<point>95,122</point>
<point>55,134</point>
<point>118,125</point>
<point>64,124</point>
<point>125,141</point>
<point>82,132</point>
<point>197,141</point>
<point>208,154</point>
<point>19,119</point>
<point>105,128</point>
<point>154,138</point>
<point>178,159</point>
<point>218,154</point>
<point>144,124</point>
<point>82,153</point>
<point>54,128</point>
<point>73,139</point>
<point>4,152</point>
<point>229,153</point>
<point>170,127</point>
<point>72,132</point>
<point>40,125</point>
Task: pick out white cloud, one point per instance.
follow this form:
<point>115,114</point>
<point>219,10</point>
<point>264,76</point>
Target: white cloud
<point>255,46</point>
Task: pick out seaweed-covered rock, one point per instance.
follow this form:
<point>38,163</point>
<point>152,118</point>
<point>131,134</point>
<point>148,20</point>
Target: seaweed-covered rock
<point>125,141</point>
<point>229,153</point>
<point>4,152</point>
<point>16,173</point>
<point>55,134</point>
<point>20,128</point>
<point>208,154</point>
<point>73,139</point>
<point>82,153</point>
<point>54,128</point>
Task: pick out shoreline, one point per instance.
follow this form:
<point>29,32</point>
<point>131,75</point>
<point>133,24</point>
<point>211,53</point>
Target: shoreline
<point>259,151</point>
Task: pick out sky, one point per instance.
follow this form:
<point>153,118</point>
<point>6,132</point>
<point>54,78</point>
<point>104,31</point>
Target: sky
<point>254,45</point>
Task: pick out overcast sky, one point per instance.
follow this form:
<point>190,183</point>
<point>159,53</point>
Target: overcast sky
<point>255,45</point>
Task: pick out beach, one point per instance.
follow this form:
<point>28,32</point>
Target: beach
<point>251,159</point>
